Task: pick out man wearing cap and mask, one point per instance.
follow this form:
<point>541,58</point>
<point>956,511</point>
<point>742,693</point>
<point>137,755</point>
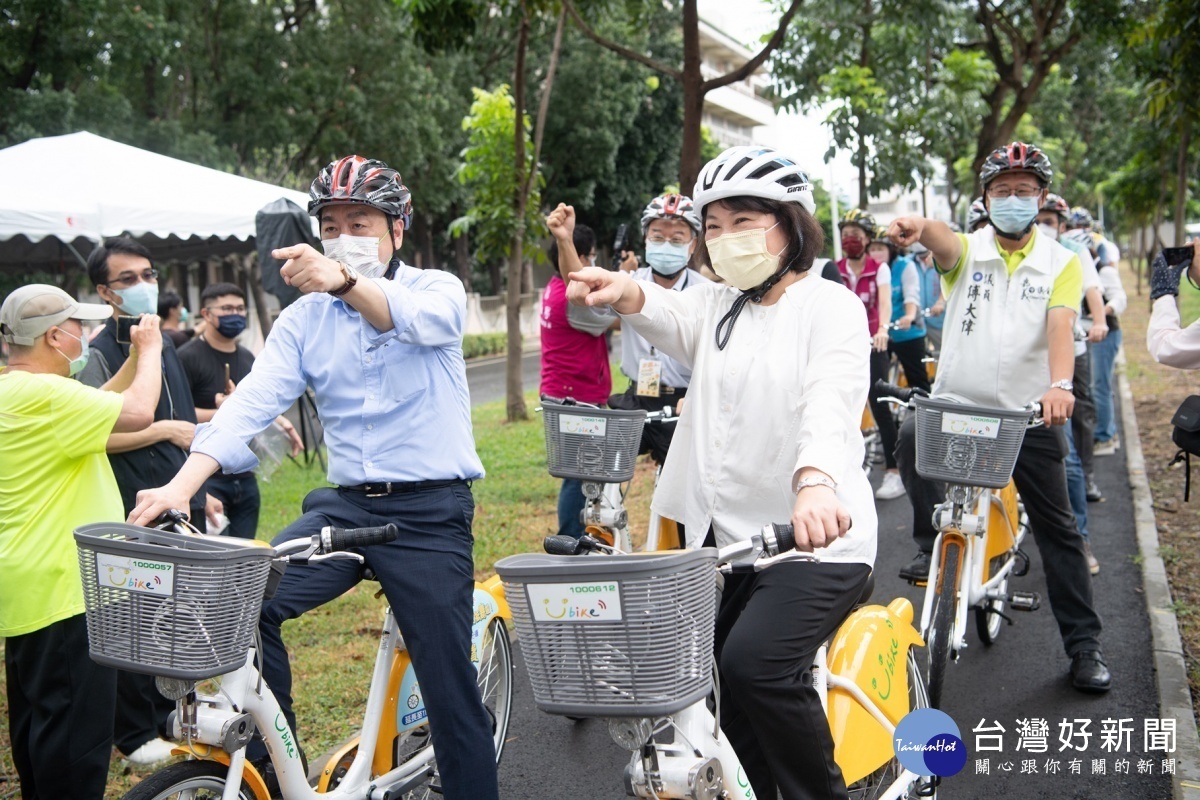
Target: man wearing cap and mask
<point>380,343</point>
<point>124,277</point>
<point>53,433</point>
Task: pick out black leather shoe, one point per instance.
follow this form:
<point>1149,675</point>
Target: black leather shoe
<point>1089,673</point>
<point>918,568</point>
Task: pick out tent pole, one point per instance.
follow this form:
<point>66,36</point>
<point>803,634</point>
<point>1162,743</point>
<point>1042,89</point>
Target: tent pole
<point>70,247</point>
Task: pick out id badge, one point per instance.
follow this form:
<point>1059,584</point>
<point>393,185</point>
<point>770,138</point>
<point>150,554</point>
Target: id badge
<point>649,377</point>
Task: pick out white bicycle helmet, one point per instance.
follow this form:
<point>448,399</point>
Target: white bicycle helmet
<point>671,205</point>
<point>757,172</point>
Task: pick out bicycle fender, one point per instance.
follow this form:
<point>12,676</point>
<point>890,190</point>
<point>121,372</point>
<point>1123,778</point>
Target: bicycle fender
<point>870,649</point>
<point>249,774</point>
<point>495,588</point>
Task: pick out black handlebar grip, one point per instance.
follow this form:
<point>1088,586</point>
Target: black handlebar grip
<point>885,389</point>
<point>346,538</point>
<point>785,536</point>
<point>561,545</point>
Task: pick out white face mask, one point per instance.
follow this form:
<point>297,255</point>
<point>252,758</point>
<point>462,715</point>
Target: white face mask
<point>361,253</point>
<point>742,259</point>
<point>1049,230</point>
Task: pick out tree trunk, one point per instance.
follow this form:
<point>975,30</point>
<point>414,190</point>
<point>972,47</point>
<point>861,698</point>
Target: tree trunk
<point>514,391</point>
<point>254,278</point>
<point>496,272</point>
<point>1181,180</point>
<point>692,81</point>
<point>462,260</point>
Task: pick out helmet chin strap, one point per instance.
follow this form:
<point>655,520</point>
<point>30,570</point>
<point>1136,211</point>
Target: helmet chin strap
<point>1015,237</point>
<point>393,262</point>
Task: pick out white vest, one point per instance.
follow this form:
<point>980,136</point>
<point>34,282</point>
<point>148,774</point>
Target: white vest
<point>995,350</point>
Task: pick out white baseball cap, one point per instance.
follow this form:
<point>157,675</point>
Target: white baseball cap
<point>34,309</point>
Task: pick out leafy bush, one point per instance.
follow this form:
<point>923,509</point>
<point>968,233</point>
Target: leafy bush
<point>484,344</point>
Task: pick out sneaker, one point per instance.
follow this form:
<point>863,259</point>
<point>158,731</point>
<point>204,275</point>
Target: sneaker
<point>1107,448</point>
<point>152,752</point>
<point>918,568</point>
<point>1093,564</point>
<point>1092,490</point>
<point>891,488</point>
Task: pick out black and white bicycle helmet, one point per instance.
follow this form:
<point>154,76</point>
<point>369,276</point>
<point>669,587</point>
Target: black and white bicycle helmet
<point>757,172</point>
<point>666,206</point>
<point>978,213</point>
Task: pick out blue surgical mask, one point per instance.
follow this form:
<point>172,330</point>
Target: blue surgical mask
<point>231,325</point>
<point>141,298</point>
<point>665,258</point>
<point>1013,215</point>
<point>76,365</point>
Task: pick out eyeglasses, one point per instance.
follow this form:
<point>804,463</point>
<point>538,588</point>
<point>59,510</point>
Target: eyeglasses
<point>229,309</point>
<point>147,275</point>
<point>658,238</point>
<point>1024,192</point>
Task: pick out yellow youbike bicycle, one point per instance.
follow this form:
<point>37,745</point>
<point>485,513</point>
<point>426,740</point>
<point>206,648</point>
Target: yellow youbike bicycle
<point>981,525</point>
<point>629,638</point>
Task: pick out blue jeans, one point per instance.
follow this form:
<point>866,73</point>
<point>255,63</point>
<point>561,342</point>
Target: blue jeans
<point>570,506</point>
<point>428,576</point>
<point>1104,354</point>
<point>239,494</point>
<point>1076,485</point>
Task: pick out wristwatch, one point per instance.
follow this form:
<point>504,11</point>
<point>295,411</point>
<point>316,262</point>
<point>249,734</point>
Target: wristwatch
<point>351,278</point>
<point>804,483</point>
<point>1065,384</point>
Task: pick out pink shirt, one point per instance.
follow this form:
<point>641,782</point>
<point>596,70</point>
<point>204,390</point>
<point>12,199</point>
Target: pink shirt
<point>574,362</point>
<point>865,286</point>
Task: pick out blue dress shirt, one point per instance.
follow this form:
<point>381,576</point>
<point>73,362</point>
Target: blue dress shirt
<point>394,405</point>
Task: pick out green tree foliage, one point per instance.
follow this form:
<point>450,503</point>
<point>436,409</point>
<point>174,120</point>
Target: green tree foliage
<point>487,173</point>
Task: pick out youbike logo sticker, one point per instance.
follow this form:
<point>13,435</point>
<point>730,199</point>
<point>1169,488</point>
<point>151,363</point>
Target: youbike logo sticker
<point>575,602</point>
<point>135,574</point>
<point>970,425</point>
<point>928,742</point>
<point>583,426</point>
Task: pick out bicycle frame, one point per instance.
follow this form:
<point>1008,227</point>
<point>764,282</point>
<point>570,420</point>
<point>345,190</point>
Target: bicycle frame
<point>209,719</point>
<point>994,529</point>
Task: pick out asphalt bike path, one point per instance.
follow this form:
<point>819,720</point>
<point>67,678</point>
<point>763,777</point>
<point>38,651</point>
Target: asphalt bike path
<point>1020,684</point>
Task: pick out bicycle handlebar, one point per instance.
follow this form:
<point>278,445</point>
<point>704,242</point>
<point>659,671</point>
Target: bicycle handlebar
<point>773,539</point>
<point>904,395</point>
<point>336,539</point>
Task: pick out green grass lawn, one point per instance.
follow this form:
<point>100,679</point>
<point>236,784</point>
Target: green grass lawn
<point>332,648</point>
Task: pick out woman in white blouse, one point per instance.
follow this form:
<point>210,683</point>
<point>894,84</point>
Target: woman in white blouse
<point>770,433</point>
<point>1167,341</point>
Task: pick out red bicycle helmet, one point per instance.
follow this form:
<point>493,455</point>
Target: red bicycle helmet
<point>364,181</point>
<point>1016,157</point>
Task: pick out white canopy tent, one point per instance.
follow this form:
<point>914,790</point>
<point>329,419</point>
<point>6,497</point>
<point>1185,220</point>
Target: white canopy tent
<point>61,194</point>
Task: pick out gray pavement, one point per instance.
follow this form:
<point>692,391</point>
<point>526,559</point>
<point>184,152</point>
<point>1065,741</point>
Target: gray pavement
<point>1021,677</point>
<point>485,376</point>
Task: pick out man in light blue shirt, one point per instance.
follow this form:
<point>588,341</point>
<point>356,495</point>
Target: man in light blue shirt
<point>380,343</point>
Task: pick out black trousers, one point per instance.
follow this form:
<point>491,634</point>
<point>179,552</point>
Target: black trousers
<point>1083,418</point>
<point>60,706</point>
<point>769,627</point>
<point>880,361</point>
<point>909,353</point>
<point>1041,478</point>
<point>656,438</point>
<point>428,576</point>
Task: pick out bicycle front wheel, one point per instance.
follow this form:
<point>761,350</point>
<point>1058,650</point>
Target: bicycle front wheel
<point>941,621</point>
<point>188,780</point>
<point>495,687</point>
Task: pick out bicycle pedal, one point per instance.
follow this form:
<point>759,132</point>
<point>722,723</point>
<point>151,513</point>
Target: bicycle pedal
<point>1020,564</point>
<point>1024,601</point>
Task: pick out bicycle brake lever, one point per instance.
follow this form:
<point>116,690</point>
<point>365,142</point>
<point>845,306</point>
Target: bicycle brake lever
<point>339,554</point>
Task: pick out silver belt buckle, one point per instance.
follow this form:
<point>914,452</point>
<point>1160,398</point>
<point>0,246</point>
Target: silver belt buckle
<point>382,494</point>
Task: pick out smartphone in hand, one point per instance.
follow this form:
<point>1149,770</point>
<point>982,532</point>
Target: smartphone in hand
<point>1177,256</point>
<point>124,325</point>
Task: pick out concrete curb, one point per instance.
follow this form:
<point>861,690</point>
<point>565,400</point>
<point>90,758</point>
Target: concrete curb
<point>1170,668</point>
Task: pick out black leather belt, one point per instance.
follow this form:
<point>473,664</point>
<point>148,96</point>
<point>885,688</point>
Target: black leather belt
<point>384,489</point>
<point>671,390</point>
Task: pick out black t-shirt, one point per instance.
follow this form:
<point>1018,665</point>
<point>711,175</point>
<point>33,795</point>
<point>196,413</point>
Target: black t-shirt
<point>205,368</point>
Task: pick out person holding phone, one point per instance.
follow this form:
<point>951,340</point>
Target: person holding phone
<point>124,276</point>
<point>1169,343</point>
